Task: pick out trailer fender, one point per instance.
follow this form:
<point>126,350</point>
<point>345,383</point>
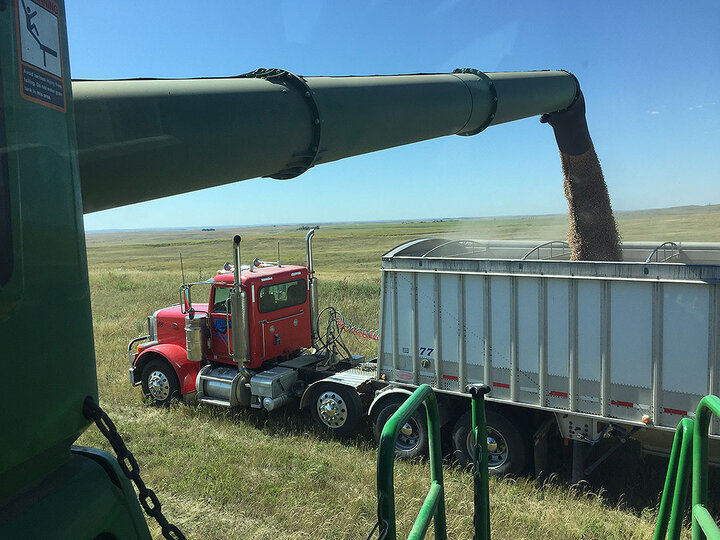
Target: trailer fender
<point>176,356</point>
<point>449,407</point>
<point>384,394</point>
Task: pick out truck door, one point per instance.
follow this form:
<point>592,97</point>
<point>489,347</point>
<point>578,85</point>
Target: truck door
<point>284,317</point>
<point>220,323</point>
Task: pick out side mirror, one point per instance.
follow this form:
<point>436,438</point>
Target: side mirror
<point>185,302</point>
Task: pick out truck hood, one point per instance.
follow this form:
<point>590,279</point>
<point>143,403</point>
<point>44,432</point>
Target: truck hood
<point>175,312</point>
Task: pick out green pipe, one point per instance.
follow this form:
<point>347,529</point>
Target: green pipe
<point>427,511</point>
<point>705,523</point>
<point>143,139</point>
<point>481,488</point>
<point>674,495</point>
<point>386,462</point>
<point>702,524</point>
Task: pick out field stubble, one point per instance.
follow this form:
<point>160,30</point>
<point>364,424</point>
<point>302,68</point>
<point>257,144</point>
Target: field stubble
<point>241,474</point>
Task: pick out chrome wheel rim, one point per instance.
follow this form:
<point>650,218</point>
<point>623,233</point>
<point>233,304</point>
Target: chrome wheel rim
<point>408,436</point>
<point>498,450</point>
<point>158,386</point>
<point>332,409</point>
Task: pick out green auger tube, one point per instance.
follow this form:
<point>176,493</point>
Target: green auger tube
<point>143,139</point>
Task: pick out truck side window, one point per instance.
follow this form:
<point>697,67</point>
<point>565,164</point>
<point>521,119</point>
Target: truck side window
<point>282,295</point>
<point>219,302</point>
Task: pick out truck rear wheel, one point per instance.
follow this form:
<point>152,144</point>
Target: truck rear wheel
<point>507,447</point>
<point>412,440</point>
<point>159,382</point>
<point>336,408</point>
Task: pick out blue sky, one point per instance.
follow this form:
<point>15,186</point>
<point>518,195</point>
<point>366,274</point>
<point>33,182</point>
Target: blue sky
<point>650,72</point>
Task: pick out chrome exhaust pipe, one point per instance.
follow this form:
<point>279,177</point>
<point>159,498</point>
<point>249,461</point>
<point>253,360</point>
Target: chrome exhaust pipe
<point>236,260</point>
<point>312,287</point>
<point>239,313</point>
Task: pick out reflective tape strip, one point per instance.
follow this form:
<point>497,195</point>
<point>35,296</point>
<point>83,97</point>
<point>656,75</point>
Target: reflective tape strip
<point>675,411</point>
<point>622,403</point>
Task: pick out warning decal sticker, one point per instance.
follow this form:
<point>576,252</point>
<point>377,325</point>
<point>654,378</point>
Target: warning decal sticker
<point>41,69</point>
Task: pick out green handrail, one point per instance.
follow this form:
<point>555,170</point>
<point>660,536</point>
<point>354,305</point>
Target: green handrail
<point>434,505</point>
<point>689,435</point>
<point>676,483</point>
<point>481,488</point>
<point>703,525</point>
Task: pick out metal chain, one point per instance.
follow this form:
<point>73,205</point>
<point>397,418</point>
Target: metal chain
<point>382,532</point>
<point>131,468</point>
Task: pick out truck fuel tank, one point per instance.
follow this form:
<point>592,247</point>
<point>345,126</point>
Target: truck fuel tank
<point>196,335</point>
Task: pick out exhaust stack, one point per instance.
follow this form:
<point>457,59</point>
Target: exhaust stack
<point>238,310</point>
<point>312,287</point>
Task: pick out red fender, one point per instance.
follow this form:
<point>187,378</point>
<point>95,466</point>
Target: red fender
<point>185,370</point>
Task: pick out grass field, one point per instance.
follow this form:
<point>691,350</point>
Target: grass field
<point>239,474</point>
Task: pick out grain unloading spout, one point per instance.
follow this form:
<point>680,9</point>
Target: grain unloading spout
<point>143,139</point>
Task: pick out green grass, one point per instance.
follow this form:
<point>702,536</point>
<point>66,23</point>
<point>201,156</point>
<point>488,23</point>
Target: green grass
<point>243,474</point>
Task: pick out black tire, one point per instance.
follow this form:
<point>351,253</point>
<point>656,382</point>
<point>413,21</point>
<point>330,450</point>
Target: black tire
<point>335,408</point>
<point>411,443</point>
<point>159,382</point>
<point>509,457</point>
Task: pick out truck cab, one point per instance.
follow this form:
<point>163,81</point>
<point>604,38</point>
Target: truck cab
<point>189,336</point>
<point>278,314</point>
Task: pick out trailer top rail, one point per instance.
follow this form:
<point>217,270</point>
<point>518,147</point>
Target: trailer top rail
<point>642,252</point>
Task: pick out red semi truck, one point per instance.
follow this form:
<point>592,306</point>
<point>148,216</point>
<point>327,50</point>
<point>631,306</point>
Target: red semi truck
<point>266,356</point>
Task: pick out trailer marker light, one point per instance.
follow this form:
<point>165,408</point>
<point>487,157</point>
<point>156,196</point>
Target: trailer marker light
<point>645,419</point>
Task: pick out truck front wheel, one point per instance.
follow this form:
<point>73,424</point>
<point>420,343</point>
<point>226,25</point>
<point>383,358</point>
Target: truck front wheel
<point>336,408</point>
<point>507,447</point>
<point>159,382</point>
<point>412,439</point>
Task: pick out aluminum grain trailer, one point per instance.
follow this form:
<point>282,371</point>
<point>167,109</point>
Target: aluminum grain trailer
<point>597,348</point>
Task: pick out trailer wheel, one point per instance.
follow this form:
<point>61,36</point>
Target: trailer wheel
<point>336,408</point>
<point>506,444</point>
<point>159,382</point>
<point>412,440</point>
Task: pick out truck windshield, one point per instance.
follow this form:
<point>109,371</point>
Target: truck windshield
<point>282,295</point>
<point>220,301</point>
